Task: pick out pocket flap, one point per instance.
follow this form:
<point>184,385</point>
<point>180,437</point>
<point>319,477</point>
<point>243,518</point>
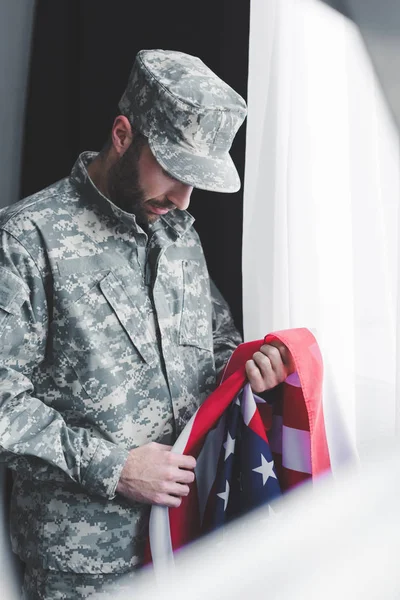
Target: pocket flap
<point>131,318</point>
<point>13,291</point>
<point>85,264</point>
<point>196,319</point>
<point>185,253</point>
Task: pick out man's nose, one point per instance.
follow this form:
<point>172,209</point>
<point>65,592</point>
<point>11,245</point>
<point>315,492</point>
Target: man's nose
<point>180,195</point>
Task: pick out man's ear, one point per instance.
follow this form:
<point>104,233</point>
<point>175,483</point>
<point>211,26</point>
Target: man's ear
<point>121,135</point>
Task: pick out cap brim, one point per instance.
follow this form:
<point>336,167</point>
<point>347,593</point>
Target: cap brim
<point>211,173</point>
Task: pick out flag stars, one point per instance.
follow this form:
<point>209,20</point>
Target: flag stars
<point>265,469</point>
<point>225,495</point>
<point>229,446</point>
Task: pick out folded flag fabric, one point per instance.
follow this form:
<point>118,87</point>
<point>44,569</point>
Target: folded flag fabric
<point>248,450</point>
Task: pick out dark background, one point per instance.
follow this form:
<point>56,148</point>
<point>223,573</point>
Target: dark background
<point>81,56</point>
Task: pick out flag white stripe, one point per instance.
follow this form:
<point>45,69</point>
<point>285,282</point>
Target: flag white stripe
<point>248,404</point>
<point>160,540</point>
<point>293,380</point>
<point>296,449</point>
<point>159,530</point>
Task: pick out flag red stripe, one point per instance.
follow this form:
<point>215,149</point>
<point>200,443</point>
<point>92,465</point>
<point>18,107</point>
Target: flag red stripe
<point>295,412</point>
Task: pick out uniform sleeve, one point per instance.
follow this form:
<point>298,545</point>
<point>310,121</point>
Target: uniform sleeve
<point>33,436</point>
<point>225,335</point>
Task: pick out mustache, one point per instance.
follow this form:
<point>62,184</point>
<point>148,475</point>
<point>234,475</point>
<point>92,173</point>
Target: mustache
<point>162,204</point>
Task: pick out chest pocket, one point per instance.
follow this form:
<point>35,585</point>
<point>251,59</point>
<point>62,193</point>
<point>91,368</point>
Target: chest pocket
<point>108,338</point>
<point>196,317</point>
<point>131,317</point>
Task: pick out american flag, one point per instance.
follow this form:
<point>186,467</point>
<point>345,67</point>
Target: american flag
<point>249,451</point>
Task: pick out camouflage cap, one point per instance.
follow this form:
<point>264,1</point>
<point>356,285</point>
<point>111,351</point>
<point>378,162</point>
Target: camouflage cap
<point>189,115</point>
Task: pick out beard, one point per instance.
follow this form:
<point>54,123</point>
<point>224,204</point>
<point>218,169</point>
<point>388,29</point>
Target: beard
<point>123,183</point>
<point>124,187</point>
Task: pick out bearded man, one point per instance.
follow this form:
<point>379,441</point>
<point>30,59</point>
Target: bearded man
<point>111,332</point>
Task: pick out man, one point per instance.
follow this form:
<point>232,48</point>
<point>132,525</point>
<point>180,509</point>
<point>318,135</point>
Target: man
<point>111,332</point>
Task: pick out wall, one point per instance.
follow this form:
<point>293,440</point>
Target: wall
<point>15,39</point>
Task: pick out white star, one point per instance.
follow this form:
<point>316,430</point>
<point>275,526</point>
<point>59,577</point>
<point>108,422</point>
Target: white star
<point>265,469</point>
<point>225,495</point>
<point>229,446</point>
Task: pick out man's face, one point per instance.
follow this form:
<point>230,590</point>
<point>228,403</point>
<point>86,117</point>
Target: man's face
<point>139,185</point>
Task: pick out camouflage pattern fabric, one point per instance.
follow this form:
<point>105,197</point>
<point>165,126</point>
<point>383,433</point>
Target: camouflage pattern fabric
<point>109,338</point>
<point>57,585</point>
<point>189,115</point>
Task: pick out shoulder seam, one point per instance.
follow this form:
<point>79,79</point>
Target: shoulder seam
<point>37,200</point>
<point>28,253</point>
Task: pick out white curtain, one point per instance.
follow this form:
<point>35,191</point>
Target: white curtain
<point>337,539</point>
<point>321,208</point>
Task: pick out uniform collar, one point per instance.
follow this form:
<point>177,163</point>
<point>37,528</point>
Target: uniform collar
<point>178,220</point>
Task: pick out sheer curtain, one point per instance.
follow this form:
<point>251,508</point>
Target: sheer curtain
<point>320,210</point>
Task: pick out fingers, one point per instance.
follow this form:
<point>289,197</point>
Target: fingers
<point>269,366</point>
<point>184,476</point>
<point>181,461</point>
<point>153,474</point>
<point>179,475</point>
<point>284,355</point>
<point>172,495</point>
<point>167,500</point>
<point>254,376</point>
<point>178,489</point>
<point>269,361</point>
<point>186,462</point>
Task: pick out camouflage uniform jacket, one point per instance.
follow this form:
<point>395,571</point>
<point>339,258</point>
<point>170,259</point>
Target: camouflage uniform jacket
<point>109,338</point>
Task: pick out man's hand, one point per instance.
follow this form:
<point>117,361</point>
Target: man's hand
<point>269,367</point>
<point>155,475</point>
